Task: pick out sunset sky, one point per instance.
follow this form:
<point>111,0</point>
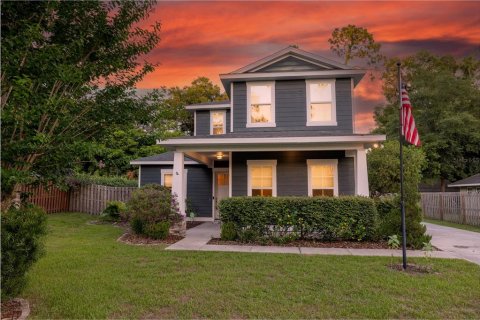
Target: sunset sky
<point>209,38</point>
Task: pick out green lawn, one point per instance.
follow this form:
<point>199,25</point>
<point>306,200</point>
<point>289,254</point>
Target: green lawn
<point>453,225</point>
<point>87,274</point>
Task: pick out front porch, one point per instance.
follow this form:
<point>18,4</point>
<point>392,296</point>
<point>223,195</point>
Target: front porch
<point>274,169</point>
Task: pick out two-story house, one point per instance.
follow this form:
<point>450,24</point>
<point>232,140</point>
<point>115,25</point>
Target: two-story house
<point>288,129</point>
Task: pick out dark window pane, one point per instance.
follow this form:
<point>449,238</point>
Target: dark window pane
<point>322,192</point>
<point>267,192</point>
<point>256,192</point>
<point>261,192</point>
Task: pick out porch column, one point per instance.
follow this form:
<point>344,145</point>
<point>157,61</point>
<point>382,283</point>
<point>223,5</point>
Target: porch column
<point>361,172</point>
<point>177,183</point>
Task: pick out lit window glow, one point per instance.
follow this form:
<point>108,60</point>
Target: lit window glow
<point>261,109</point>
<point>320,104</point>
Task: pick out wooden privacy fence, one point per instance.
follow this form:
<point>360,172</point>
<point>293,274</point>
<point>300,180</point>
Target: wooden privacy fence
<point>455,207</point>
<point>93,198</point>
<point>49,198</point>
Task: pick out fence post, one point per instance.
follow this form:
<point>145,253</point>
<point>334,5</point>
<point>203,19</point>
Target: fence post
<point>462,208</point>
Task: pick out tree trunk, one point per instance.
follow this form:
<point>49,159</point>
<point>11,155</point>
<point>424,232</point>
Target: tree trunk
<point>443,184</point>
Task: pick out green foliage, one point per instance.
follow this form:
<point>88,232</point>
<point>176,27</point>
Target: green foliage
<point>171,112</point>
<point>352,42</point>
<point>112,181</point>
<point>384,170</point>
<point>325,218</point>
<point>158,230</point>
<point>22,245</point>
<point>393,242</point>
<point>228,231</point>
<point>137,225</point>
<point>69,70</point>
<point>445,97</point>
<point>114,210</point>
<point>390,223</point>
<point>151,205</point>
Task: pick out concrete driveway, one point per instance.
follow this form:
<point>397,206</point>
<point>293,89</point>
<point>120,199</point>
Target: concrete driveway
<point>461,243</point>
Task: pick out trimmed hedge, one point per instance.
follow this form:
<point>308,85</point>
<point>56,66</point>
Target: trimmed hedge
<point>323,218</point>
<point>112,181</point>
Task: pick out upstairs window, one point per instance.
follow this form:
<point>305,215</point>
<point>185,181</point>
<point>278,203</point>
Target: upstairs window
<point>322,177</point>
<point>218,122</point>
<point>321,108</point>
<point>261,104</point>
<point>262,178</point>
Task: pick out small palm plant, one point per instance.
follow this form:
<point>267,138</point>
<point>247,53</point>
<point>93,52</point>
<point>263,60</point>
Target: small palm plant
<point>393,243</point>
<point>427,248</point>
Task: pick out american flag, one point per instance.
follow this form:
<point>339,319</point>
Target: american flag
<point>409,130</point>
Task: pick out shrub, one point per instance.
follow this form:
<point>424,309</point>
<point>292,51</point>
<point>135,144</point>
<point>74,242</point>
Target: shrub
<point>228,231</point>
<point>158,230</point>
<point>151,205</point>
<point>390,221</point>
<point>324,218</point>
<point>114,211</point>
<point>112,181</point>
<point>22,245</point>
<point>137,225</point>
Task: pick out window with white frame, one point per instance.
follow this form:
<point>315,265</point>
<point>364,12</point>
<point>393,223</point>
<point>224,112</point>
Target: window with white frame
<point>261,104</point>
<point>322,177</point>
<point>218,122</point>
<point>321,106</point>
<point>262,178</point>
<point>167,178</point>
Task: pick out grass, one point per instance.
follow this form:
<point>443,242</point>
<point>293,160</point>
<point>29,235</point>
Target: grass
<point>86,273</point>
<point>453,225</point>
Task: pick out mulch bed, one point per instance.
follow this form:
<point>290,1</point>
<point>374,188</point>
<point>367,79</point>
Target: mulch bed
<point>193,224</point>
<point>310,243</point>
<point>413,268</point>
<point>141,240</point>
<point>11,309</point>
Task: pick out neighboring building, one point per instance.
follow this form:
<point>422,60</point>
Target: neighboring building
<point>469,185</point>
<point>287,130</point>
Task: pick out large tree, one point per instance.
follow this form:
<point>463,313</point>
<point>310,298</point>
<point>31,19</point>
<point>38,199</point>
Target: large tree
<point>68,74</point>
<point>352,42</point>
<point>445,96</point>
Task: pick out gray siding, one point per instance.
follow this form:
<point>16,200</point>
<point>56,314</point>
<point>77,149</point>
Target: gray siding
<point>290,107</point>
<point>292,174</point>
<point>203,122</point>
<point>199,185</point>
<point>291,64</point>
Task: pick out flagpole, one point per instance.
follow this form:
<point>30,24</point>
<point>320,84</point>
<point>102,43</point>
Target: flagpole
<point>402,202</point>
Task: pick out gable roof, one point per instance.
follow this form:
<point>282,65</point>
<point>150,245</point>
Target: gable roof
<point>291,63</point>
<point>162,158</point>
<point>467,182</point>
<point>296,53</point>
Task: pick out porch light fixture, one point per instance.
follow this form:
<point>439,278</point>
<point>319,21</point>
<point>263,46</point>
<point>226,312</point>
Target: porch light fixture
<point>219,155</point>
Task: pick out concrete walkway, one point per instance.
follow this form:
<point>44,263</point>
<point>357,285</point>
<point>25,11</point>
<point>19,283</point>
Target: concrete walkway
<point>460,243</point>
<point>198,237</point>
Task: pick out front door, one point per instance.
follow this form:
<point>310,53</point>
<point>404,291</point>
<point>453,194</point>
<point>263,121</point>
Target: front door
<point>220,188</point>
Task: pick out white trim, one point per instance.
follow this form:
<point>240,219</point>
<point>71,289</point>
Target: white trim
<point>215,170</point>
<point>333,162</point>
<point>273,140</point>
<point>139,176</point>
<point>333,102</point>
<point>285,56</point>
<point>272,103</point>
<point>160,162</point>
<point>224,115</point>
<point>361,173</point>
<point>352,88</point>
<point>231,107</point>
<point>289,74</point>
<point>464,185</point>
<point>195,123</point>
<point>286,52</point>
<point>163,172</point>
<point>230,174</point>
<point>208,106</point>
<point>272,163</point>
